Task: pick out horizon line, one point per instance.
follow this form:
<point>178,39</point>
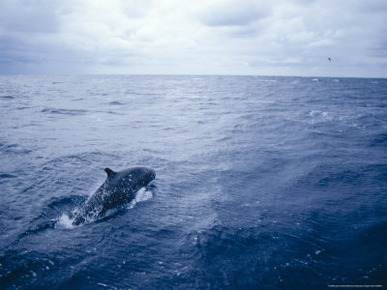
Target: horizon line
<point>193,74</point>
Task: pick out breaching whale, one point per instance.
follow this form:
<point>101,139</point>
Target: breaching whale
<point>119,188</point>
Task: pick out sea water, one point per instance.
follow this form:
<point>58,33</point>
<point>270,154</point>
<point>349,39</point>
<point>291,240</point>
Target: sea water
<point>262,182</point>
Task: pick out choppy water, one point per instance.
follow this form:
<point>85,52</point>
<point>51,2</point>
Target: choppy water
<point>262,182</point>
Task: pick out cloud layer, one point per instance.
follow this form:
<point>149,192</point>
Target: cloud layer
<point>277,37</point>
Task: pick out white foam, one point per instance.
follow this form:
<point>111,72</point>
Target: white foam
<point>142,195</point>
<point>64,221</point>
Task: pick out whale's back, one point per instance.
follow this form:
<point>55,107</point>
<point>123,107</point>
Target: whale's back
<point>119,188</point>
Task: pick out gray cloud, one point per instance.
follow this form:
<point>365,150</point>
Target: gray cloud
<point>218,36</point>
<point>232,12</point>
<point>29,16</point>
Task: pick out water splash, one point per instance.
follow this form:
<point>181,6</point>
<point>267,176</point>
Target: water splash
<point>143,194</point>
<point>64,221</point>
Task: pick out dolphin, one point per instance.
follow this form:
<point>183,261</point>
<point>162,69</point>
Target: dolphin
<point>119,188</point>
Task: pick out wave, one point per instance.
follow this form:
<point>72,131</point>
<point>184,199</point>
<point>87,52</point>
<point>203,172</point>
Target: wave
<point>13,148</point>
<point>7,97</point>
<point>6,175</point>
<point>379,140</point>
<point>251,256</point>
<point>116,103</point>
<point>72,112</point>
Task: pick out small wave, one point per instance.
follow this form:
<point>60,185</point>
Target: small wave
<point>320,115</point>
<point>72,112</point>
<point>379,140</point>
<point>267,81</point>
<point>317,116</point>
<point>6,175</point>
<point>37,226</point>
<point>7,97</point>
<point>116,103</point>
<point>13,148</point>
<point>22,108</point>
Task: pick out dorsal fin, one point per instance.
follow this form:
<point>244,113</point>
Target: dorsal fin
<point>109,172</point>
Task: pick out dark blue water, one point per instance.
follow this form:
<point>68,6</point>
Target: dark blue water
<point>262,182</point>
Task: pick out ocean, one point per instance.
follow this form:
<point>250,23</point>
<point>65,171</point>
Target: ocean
<point>262,182</point>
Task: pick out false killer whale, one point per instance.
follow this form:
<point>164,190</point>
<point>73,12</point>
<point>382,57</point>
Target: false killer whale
<point>119,188</point>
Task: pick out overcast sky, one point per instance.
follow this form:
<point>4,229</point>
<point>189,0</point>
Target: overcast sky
<point>248,37</point>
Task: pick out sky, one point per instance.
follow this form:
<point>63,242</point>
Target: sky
<point>227,37</point>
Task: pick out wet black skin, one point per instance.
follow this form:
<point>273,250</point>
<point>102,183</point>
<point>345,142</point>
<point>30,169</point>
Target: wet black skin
<point>119,188</point>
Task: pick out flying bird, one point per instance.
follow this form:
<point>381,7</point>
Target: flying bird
<point>329,59</point>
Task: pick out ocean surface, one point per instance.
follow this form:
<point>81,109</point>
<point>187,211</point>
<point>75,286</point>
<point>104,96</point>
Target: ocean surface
<point>262,182</point>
